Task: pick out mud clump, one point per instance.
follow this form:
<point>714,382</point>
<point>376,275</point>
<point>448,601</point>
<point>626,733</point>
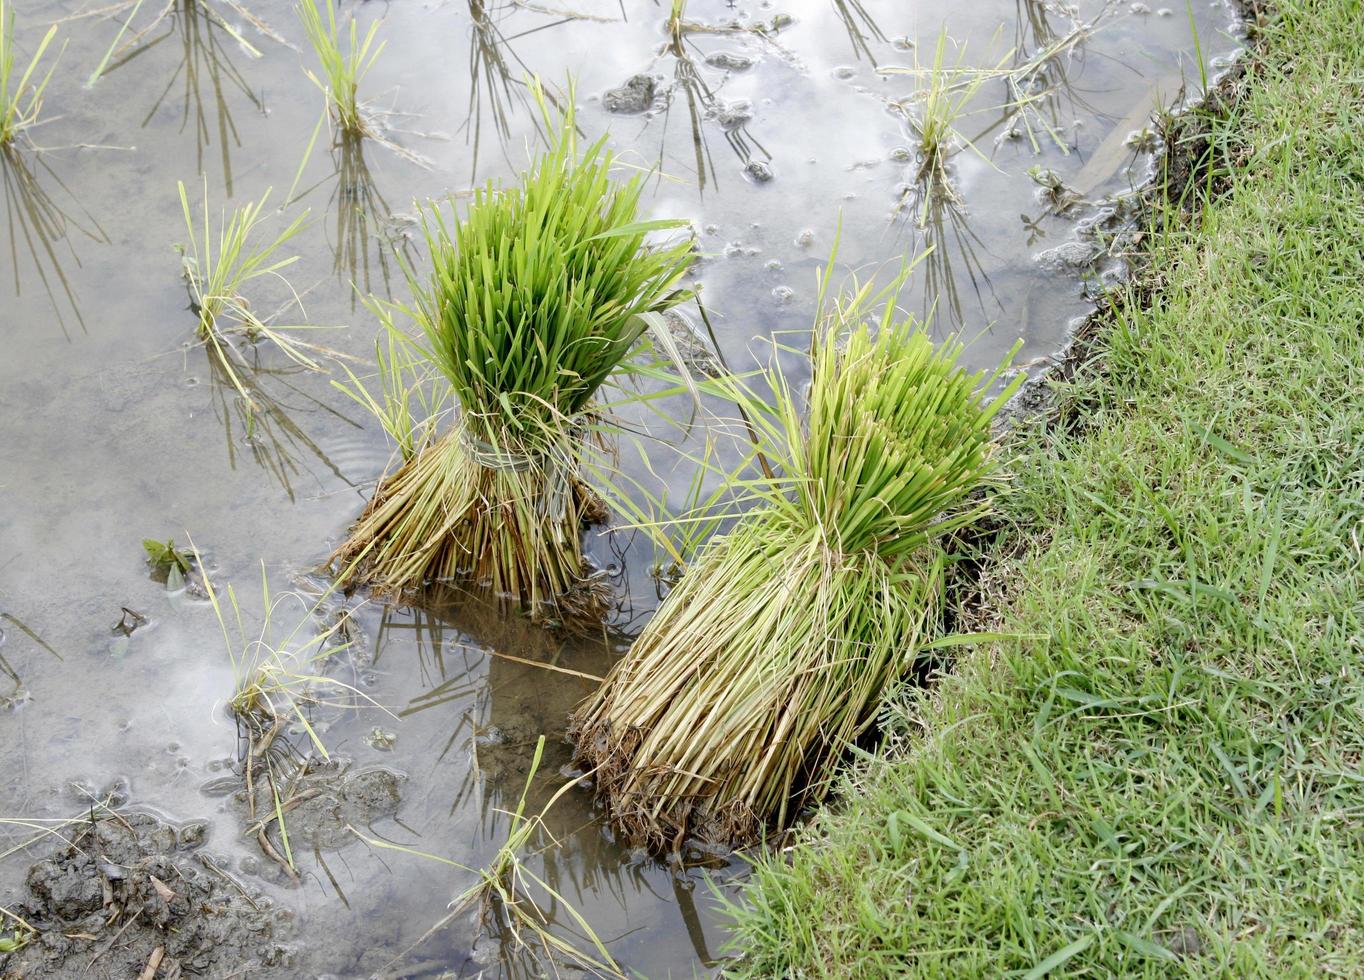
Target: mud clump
<point>635,96</point>
<point>130,890</point>
<point>331,800</point>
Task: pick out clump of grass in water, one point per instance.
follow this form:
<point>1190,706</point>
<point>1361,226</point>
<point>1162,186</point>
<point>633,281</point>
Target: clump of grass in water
<point>534,299</point>
<point>943,97</point>
<point>21,99</point>
<point>505,890</point>
<point>344,61</point>
<point>772,653</point>
<point>274,682</point>
<point>217,277</point>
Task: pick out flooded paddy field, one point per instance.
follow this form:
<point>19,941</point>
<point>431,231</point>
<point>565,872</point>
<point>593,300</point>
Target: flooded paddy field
<point>775,127</point>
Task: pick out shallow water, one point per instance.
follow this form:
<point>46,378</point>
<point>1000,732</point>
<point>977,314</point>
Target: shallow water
<point>113,428</point>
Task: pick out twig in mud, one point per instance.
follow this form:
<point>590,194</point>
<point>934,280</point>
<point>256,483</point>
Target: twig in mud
<point>544,666</point>
<point>207,862</point>
<point>112,942</point>
<point>153,964</point>
<point>303,797</point>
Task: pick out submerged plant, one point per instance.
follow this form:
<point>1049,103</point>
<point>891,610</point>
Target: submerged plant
<point>534,299</point>
<point>344,61</point>
<point>772,653</point>
<point>218,272</point>
<point>21,98</point>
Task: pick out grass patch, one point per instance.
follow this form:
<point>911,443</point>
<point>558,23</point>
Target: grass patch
<point>1169,784</point>
<point>773,651</point>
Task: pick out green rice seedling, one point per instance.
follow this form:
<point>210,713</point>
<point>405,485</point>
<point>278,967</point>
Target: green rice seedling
<point>343,59</point>
<point>277,682</point>
<point>730,710</point>
<point>506,889</point>
<point>276,678</point>
<point>218,272</point>
<point>535,297</point>
<point>21,97</point>
<point>943,98</point>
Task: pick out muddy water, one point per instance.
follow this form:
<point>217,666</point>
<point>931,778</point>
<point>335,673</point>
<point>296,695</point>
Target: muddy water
<point>114,428</point>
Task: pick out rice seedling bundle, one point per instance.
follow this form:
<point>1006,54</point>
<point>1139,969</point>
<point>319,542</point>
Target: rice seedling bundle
<point>771,655</point>
<point>534,299</point>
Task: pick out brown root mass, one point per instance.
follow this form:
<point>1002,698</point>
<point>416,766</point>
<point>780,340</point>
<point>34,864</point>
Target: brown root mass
<point>446,518</point>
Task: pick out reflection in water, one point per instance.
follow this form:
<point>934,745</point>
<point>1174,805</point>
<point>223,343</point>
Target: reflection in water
<point>38,227</point>
<point>491,81</point>
<point>205,73</point>
<point>363,242</point>
<point>497,74</point>
<point>501,684</point>
<point>1042,103</point>
<point>702,101</point>
<point>264,422</point>
<point>940,228</point>
<point>861,27</point>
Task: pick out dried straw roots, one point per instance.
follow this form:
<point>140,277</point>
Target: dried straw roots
<point>764,663</point>
<point>504,522</point>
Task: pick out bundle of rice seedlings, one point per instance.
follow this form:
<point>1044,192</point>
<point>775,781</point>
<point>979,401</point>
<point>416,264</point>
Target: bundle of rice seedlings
<point>728,712</point>
<point>534,299</point>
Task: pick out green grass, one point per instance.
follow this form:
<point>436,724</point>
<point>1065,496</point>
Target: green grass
<point>21,86</point>
<point>1169,785</point>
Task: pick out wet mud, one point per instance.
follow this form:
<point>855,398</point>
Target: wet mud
<point>130,893</point>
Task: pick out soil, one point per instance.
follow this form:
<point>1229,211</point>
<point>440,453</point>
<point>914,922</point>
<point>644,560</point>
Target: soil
<point>130,884</point>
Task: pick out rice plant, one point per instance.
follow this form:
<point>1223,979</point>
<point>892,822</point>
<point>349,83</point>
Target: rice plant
<point>729,711</point>
<point>943,98</point>
<point>218,271</point>
<point>21,97</point>
<point>535,297</point>
<point>277,683</point>
<point>505,890</point>
<point>344,60</point>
